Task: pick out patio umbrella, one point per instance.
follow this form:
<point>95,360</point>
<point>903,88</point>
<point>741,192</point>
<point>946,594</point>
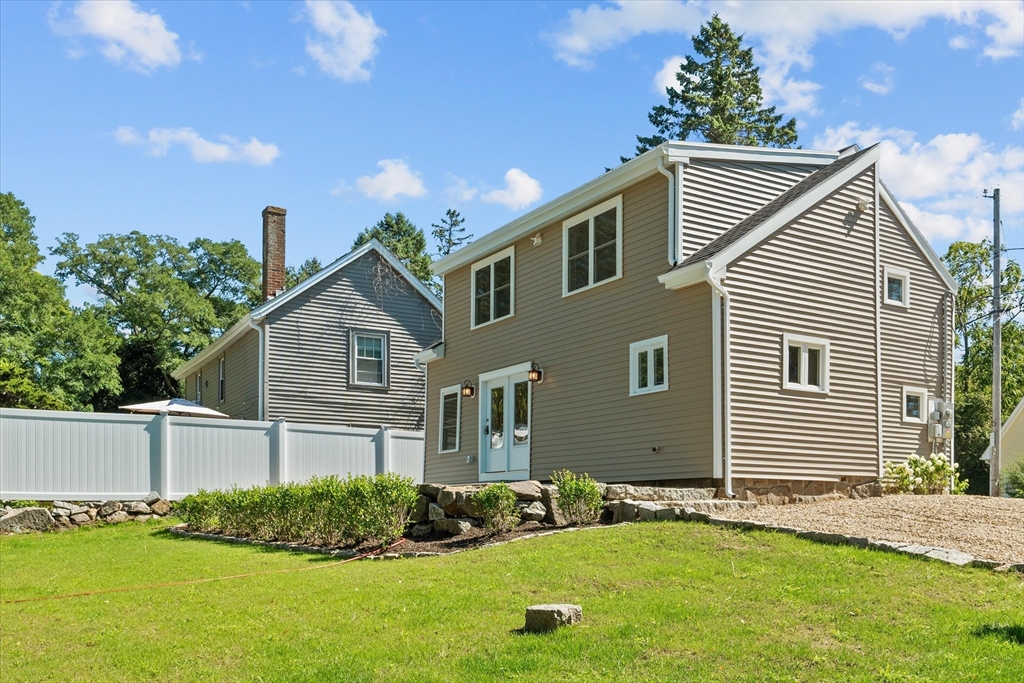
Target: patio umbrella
<point>174,406</point>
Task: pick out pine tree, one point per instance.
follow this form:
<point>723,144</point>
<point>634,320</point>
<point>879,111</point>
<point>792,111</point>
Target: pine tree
<point>718,100</point>
<point>404,240</point>
<point>448,233</point>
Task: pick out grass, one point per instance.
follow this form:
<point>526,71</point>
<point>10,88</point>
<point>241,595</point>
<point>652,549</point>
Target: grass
<point>661,601</point>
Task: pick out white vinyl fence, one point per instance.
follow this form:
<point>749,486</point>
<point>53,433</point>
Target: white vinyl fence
<point>52,455</point>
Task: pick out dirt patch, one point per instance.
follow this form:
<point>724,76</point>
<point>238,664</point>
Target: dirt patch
<point>987,528</point>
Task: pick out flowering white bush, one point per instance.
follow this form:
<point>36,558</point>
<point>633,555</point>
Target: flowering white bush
<point>923,475</point>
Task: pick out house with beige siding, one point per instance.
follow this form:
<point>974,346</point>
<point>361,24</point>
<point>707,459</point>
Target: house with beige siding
<point>1011,444</point>
<point>337,348</point>
<point>702,314</point>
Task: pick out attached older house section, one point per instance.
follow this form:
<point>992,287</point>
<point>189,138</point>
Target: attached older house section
<point>336,349</point>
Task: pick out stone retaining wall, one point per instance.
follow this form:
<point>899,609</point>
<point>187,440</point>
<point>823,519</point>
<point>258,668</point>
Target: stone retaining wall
<point>68,515</point>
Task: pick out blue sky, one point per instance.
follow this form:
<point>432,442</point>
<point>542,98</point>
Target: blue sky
<point>186,119</point>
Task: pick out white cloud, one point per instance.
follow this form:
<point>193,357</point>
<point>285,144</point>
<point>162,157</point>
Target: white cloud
<point>1017,118</point>
<point>520,191</point>
<point>783,32</point>
<point>939,182</point>
<point>347,40</point>
<point>666,76</point>
<point>879,79</point>
<point>159,140</point>
<point>459,190</point>
<point>129,36</point>
<point>395,180</point>
<point>960,42</point>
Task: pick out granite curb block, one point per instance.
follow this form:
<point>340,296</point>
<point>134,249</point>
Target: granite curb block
<point>947,555</point>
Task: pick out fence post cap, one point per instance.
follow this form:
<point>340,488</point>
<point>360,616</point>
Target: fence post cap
<point>280,420</point>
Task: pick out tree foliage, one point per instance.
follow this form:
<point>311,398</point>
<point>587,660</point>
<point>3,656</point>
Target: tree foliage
<point>307,269</point>
<point>404,240</point>
<point>449,233</point>
<point>718,99</point>
<point>166,301</point>
<point>970,264</point>
<point>55,355</point>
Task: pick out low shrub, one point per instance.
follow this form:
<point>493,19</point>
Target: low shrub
<point>923,475</point>
<point>1014,480</point>
<point>579,498</point>
<point>497,505</point>
<point>322,511</point>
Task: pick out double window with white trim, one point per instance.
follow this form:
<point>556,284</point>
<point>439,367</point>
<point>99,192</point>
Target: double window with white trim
<point>493,283</point>
<point>592,247</point>
<point>648,366</point>
<point>369,359</point>
<point>915,405</point>
<point>805,362</point>
<point>450,418</point>
<point>897,287</point>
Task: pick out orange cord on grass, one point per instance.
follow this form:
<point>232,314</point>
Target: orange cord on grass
<point>195,581</point>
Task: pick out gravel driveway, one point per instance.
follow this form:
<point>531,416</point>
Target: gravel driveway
<point>987,528</point>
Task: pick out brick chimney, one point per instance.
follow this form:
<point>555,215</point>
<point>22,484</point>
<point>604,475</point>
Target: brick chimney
<point>273,251</point>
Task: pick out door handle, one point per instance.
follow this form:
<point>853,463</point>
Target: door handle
<point>487,429</point>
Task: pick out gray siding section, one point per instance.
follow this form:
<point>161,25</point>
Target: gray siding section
<point>308,361</point>
<point>583,416</point>
<point>913,342</point>
<point>813,278</point>
<point>717,195</point>
<point>241,379</point>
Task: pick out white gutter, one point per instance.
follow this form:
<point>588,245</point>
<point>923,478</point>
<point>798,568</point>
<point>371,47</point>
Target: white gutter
<point>671,209</point>
<point>260,393</point>
<point>726,406</point>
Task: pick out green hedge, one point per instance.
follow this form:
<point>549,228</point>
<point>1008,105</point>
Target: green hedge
<point>323,511</point>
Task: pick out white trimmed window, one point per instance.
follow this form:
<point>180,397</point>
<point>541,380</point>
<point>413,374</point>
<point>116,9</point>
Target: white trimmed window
<point>220,381</point>
<point>897,287</point>
<point>648,366</point>
<point>494,288</point>
<point>915,405</point>
<point>369,358</point>
<point>199,388</point>
<point>805,362</point>
<point>450,418</point>
<point>592,247</point>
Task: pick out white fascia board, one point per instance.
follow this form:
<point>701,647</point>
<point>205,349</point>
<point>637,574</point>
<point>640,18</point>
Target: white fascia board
<point>794,210</point>
<point>922,244</point>
<point>681,278</point>
<point>614,180</point>
<point>235,331</point>
<point>431,354</point>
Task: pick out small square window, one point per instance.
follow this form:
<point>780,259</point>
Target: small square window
<point>915,405</point>
<point>805,363</point>
<point>897,287</point>
<point>369,359</point>
<point>648,366</point>
<point>451,416</point>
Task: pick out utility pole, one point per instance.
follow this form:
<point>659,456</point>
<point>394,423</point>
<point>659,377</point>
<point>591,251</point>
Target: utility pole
<point>994,488</point>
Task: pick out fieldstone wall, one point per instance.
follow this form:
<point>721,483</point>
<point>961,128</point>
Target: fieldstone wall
<point>67,515</point>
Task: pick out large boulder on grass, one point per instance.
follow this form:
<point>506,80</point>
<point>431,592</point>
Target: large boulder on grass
<point>544,618</point>
<point>26,519</point>
<point>160,507</point>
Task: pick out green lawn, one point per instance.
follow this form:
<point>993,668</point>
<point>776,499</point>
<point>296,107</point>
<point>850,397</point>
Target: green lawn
<point>661,602</point>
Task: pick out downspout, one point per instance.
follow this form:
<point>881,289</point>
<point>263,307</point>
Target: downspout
<point>727,381</point>
<point>672,237</point>
<point>262,371</point>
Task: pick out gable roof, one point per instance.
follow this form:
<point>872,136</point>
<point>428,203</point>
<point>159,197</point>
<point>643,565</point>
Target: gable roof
<point>260,312</point>
<point>646,164</point>
<point>1014,416</point>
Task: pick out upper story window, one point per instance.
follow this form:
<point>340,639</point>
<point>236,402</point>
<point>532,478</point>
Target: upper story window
<point>592,247</point>
<point>915,405</point>
<point>220,381</point>
<point>648,366</point>
<point>805,363</point>
<point>897,287</point>
<point>370,358</point>
<point>494,288</point>
<point>451,406</point>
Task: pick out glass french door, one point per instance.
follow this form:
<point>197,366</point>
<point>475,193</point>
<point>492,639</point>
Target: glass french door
<point>506,425</point>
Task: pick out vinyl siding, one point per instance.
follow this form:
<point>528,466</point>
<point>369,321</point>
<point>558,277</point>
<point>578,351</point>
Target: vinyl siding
<point>913,343</point>
<point>718,195</point>
<point>308,359</point>
<point>241,379</point>
<point>583,418</point>
<point>814,278</point>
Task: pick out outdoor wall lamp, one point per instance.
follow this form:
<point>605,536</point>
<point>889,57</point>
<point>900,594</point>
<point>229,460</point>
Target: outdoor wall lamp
<point>535,374</point>
<point>468,390</point>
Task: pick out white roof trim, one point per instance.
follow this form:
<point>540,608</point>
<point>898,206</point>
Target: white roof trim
<point>922,244</point>
<point>987,455</point>
<point>684,277</point>
<point>260,312</point>
<point>611,182</point>
<point>427,355</point>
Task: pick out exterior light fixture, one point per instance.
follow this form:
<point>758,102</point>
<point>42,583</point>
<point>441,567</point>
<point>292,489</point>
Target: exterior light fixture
<point>535,374</point>
<point>863,205</point>
<point>468,390</point>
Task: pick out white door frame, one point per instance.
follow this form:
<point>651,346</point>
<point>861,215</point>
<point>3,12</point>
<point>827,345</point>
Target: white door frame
<point>515,475</point>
